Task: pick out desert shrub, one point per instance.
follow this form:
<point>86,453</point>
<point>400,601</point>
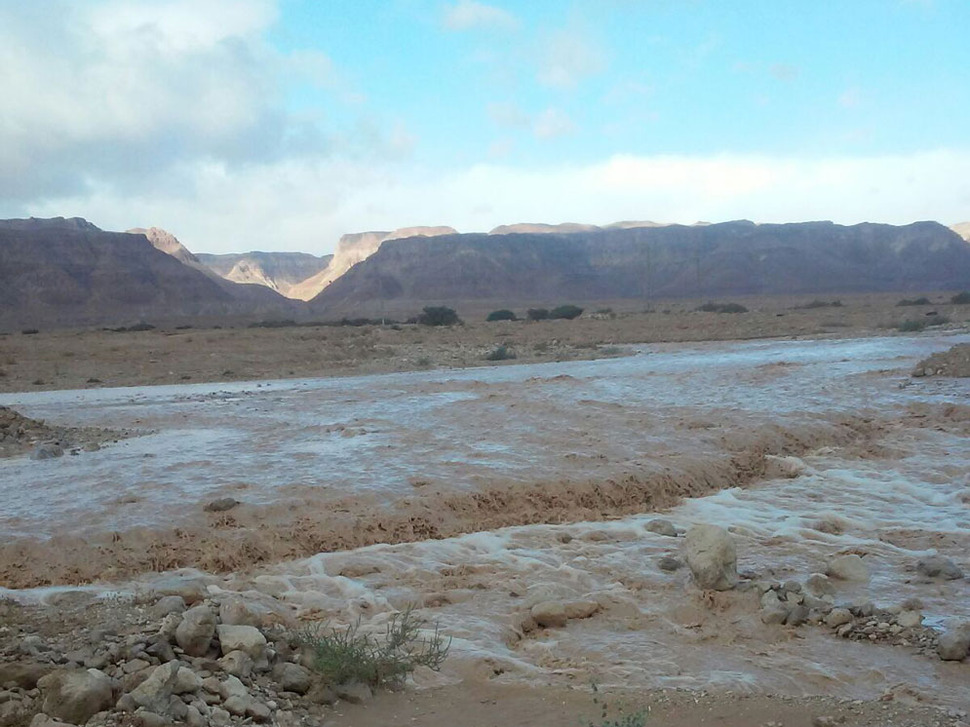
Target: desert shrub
<point>500,353</point>
<point>424,362</point>
<point>566,311</point>
<point>438,315</point>
<point>913,301</point>
<point>537,314</point>
<point>287,323</point>
<point>501,315</point>
<point>30,331</point>
<point>936,320</point>
<point>820,304</point>
<point>712,307</point>
<point>911,326</point>
<point>961,298</point>
<point>347,655</point>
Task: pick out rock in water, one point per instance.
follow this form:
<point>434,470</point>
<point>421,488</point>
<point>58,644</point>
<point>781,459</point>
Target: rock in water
<point>196,630</point>
<point>76,695</point>
<point>848,568</point>
<point>712,558</point>
<point>662,527</point>
<point>955,643</point>
<point>936,566</point>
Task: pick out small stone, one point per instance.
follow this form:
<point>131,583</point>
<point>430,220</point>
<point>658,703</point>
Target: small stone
<point>195,631</point>
<point>258,711</point>
<point>837,617</point>
<point>237,705</point>
<point>220,717</point>
<point>670,563</point>
<point>581,609</point>
<point>661,527</point>
<point>168,604</point>
<point>321,693</point>
<point>221,505</point>
<point>797,616</point>
<point>293,677</point>
<point>354,692</point>
<point>46,451</point>
<point>909,619</point>
<point>144,718</point>
<point>238,663</point>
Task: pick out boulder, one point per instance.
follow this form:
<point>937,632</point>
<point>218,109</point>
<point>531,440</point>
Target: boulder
<point>662,527</point>
<point>848,568</point>
<point>23,674</point>
<point>247,639</point>
<point>909,619</point>
<point>773,611</point>
<point>168,604</point>
<point>954,644</point>
<point>549,614</point>
<point>354,692</point>
<point>837,617</point>
<point>670,563</point>
<point>936,566</point>
<point>153,693</point>
<point>195,630</point>
<point>76,695</point>
<point>711,557</point>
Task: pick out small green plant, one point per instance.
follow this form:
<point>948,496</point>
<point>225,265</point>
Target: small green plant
<point>819,304</point>
<point>501,315</point>
<point>346,655</point>
<point>438,316</point>
<point>913,301</point>
<point>911,326</point>
<point>631,719</point>
<point>936,320</point>
<point>712,307</point>
<point>537,314</point>
<point>424,362</point>
<point>961,298</point>
<point>500,353</point>
<point>567,312</point>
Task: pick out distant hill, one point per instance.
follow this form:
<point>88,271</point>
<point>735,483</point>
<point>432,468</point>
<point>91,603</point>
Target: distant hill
<point>279,271</point>
<point>70,272</point>
<point>731,258</point>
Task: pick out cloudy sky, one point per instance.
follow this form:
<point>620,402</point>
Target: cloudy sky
<point>281,124</point>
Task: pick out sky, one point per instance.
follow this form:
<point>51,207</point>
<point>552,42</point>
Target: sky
<point>283,124</point>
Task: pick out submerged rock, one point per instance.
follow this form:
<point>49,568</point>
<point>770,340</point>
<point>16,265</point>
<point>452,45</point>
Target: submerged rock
<point>936,566</point>
<point>848,568</point>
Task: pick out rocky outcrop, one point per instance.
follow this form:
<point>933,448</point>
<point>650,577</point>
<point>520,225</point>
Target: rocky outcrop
<point>699,261</point>
<point>69,272</point>
<point>354,248</point>
<point>711,557</point>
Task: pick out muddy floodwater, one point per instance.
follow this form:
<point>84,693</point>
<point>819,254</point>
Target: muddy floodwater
<point>478,493</point>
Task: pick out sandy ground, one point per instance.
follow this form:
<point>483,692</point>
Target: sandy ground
<point>77,359</point>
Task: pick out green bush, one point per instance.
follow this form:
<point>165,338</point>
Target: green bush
<point>438,316</point>
<point>914,301</point>
<point>819,304</point>
<point>501,315</point>
<point>500,353</point>
<point>566,311</point>
<point>911,326</point>
<point>961,298</point>
<point>722,308</point>
<point>537,314</point>
<point>343,656</point>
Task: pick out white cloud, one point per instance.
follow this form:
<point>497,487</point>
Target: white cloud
<point>569,57</point>
<point>468,15</point>
<point>137,86</point>
<point>553,123</point>
<point>508,114</point>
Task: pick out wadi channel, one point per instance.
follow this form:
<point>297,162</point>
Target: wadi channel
<point>762,532</point>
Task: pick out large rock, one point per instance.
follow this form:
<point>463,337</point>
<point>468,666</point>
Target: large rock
<point>711,557</point>
<point>954,644</point>
<point>153,694</point>
<point>23,674</point>
<point>848,568</point>
<point>195,631</point>
<point>294,678</point>
<point>550,614</point>
<point>936,566</point>
<point>661,527</point>
<point>76,695</point>
<point>247,639</point>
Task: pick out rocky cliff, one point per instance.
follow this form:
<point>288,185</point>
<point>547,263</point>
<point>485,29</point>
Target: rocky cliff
<point>279,271</point>
<point>732,258</point>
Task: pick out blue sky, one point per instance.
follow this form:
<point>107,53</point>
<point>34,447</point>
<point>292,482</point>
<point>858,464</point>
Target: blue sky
<point>281,124</point>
